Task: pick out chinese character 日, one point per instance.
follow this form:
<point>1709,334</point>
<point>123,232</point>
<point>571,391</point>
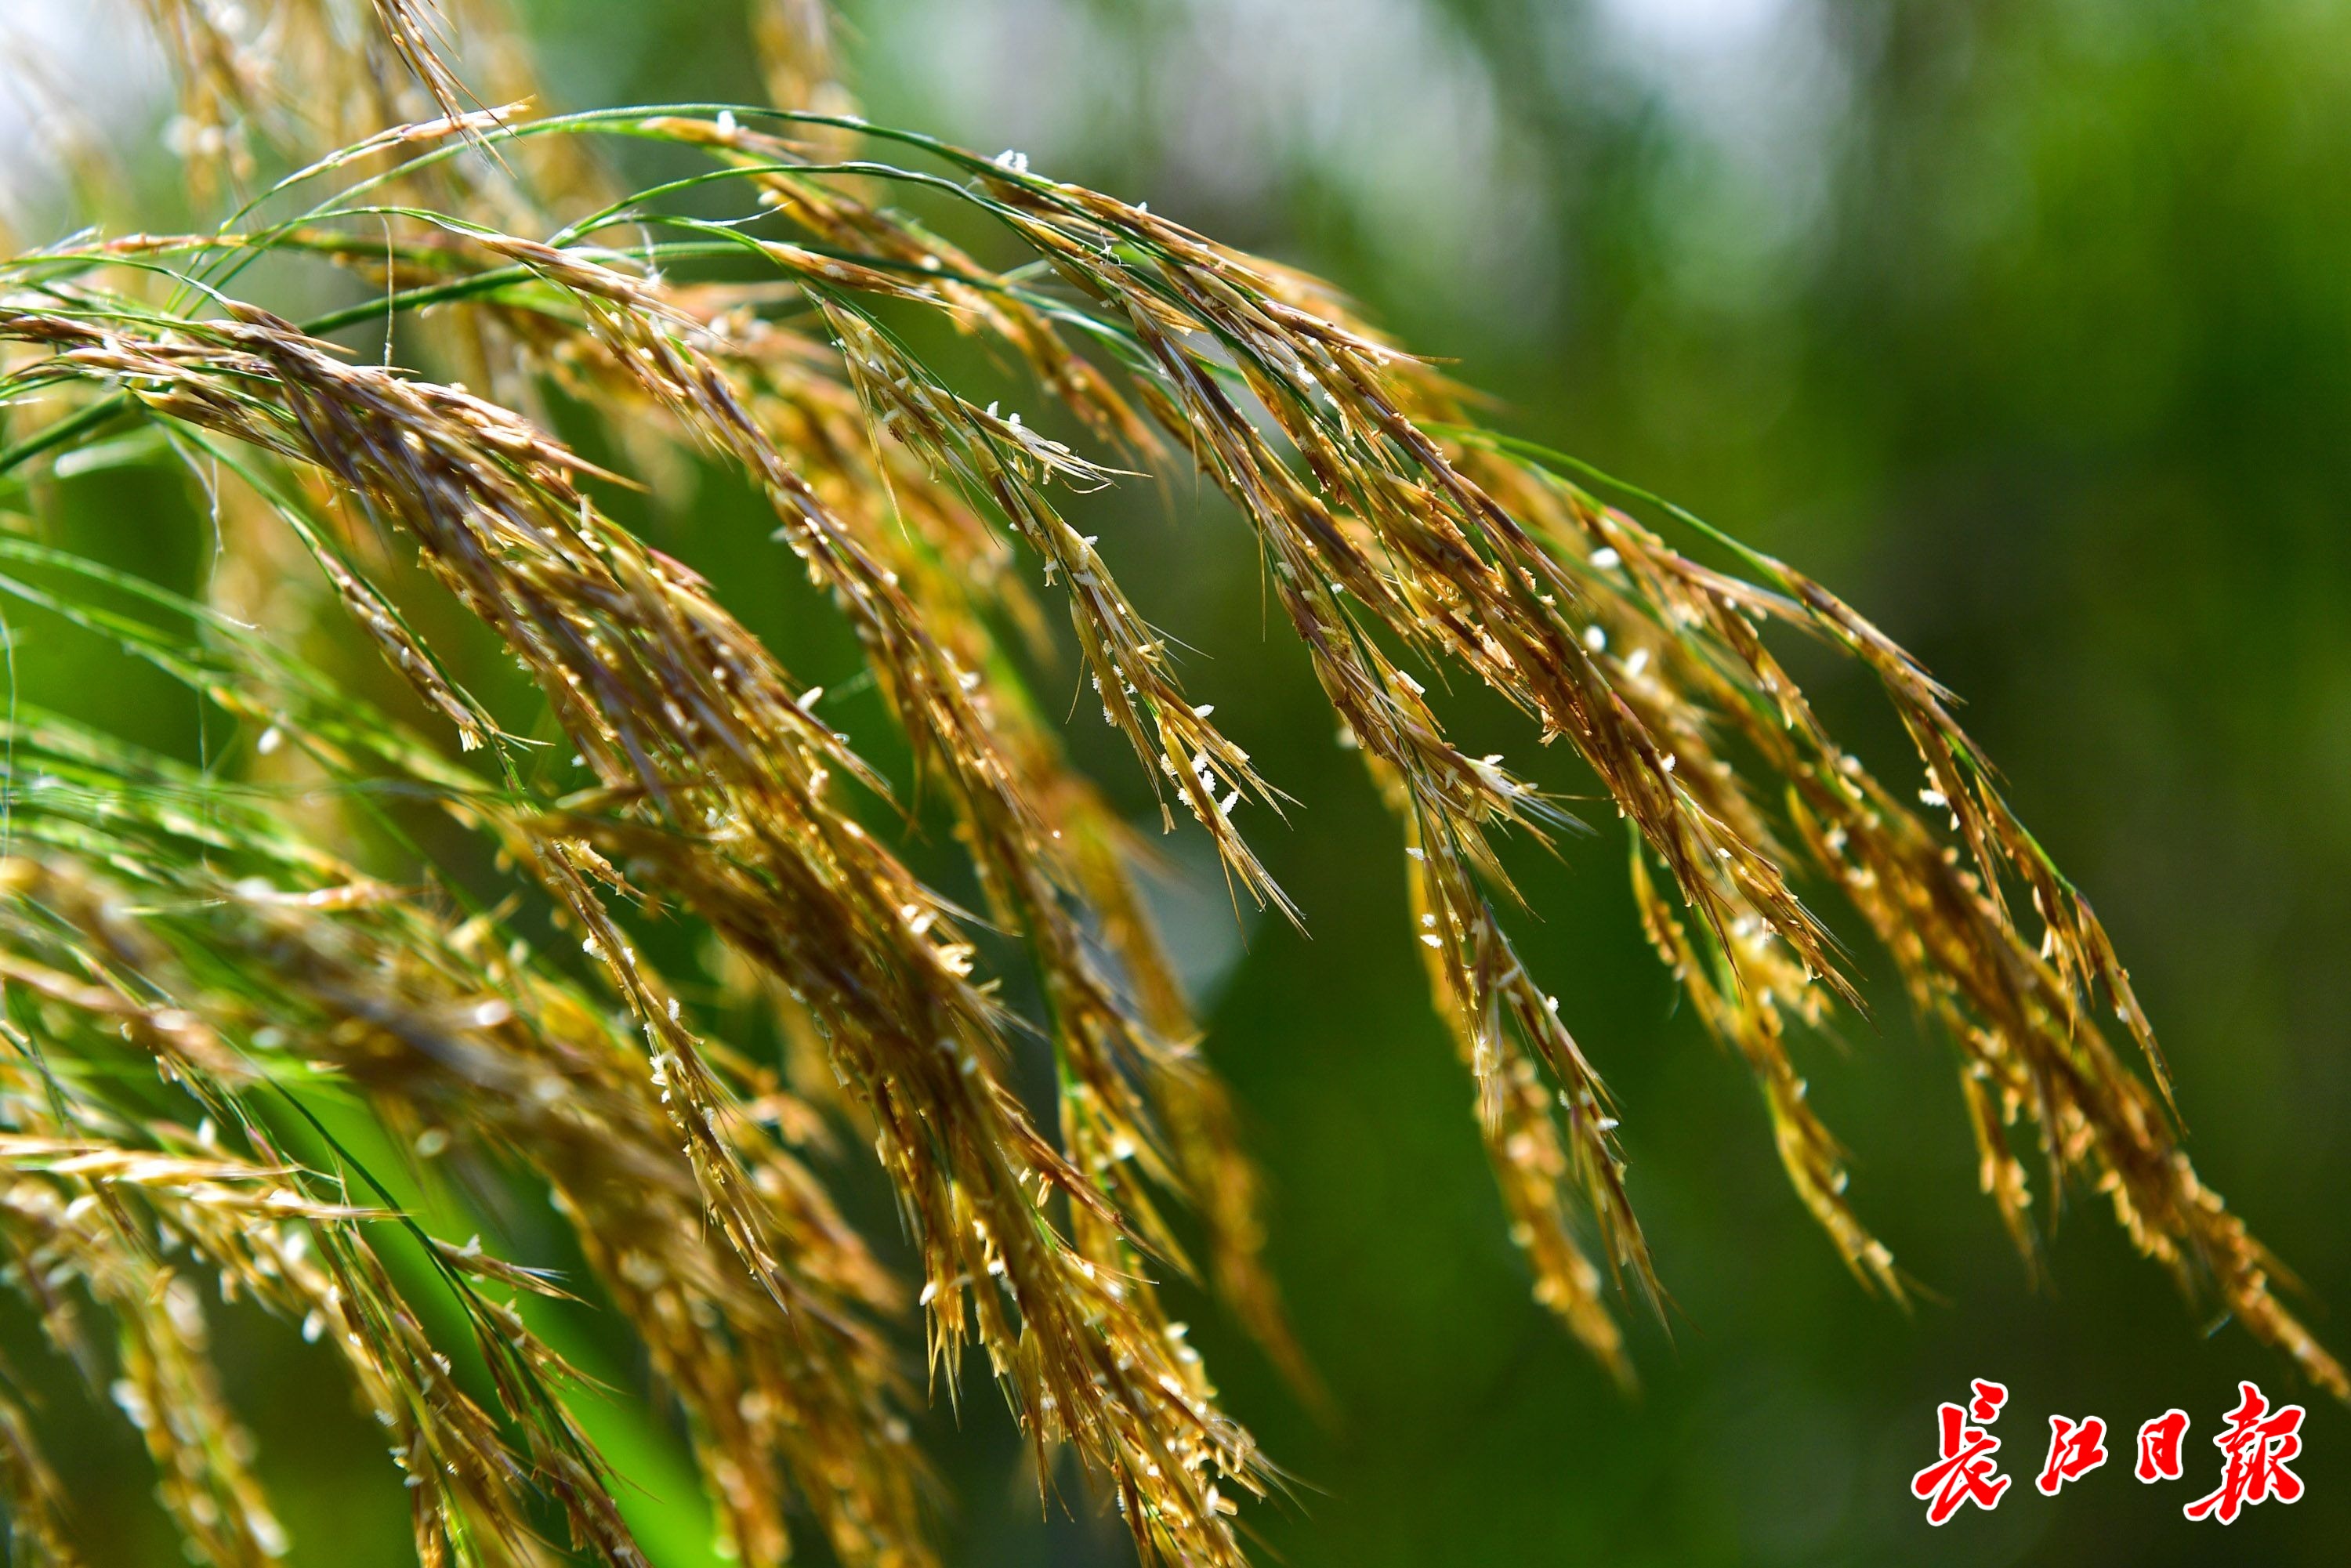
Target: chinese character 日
<point>1965,1470</point>
<point>2075,1448</point>
<point>2158,1446</point>
<point>2254,1447</point>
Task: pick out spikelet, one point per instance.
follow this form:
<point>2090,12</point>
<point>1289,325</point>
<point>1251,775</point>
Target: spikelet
<point>35,1501</point>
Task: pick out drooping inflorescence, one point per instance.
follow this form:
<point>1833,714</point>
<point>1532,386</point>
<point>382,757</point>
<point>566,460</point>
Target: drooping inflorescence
<point>227,988</point>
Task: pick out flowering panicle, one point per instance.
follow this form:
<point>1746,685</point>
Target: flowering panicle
<point>233,946</point>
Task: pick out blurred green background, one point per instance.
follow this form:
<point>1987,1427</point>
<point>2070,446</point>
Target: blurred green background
<point>2024,324</point>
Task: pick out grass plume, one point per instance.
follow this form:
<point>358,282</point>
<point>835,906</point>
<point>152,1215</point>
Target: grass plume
<point>220,930</point>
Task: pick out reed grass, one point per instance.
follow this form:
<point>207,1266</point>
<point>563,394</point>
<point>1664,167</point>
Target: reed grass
<point>198,971</point>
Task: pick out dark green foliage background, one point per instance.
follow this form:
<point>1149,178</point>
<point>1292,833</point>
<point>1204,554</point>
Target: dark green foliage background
<point>2051,374</point>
